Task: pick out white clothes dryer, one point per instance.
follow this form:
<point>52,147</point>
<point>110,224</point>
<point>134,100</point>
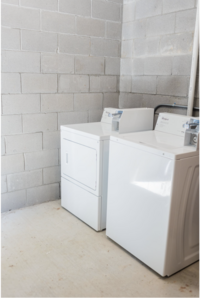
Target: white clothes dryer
<point>153,195</point>
<point>84,161</point>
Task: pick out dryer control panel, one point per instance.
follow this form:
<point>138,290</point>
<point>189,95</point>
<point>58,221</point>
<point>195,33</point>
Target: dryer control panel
<point>129,120</point>
<point>172,123</point>
<point>107,115</point>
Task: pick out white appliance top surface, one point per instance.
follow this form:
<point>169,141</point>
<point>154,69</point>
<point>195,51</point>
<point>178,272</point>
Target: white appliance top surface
<point>97,130</point>
<point>157,142</point>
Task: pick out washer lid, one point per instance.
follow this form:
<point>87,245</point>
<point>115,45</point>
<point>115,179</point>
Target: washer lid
<point>97,130</point>
<point>168,145</point>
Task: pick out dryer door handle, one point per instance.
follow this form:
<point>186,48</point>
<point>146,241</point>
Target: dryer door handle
<point>66,157</point>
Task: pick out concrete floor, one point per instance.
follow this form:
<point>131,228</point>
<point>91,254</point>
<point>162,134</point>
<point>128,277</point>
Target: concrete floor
<point>47,252</point>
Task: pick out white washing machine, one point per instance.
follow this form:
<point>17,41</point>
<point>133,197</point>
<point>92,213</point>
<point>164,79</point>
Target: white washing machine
<point>153,195</point>
<point>84,161</point>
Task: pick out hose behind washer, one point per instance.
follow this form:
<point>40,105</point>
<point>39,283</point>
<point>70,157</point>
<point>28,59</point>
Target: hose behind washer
<point>173,106</point>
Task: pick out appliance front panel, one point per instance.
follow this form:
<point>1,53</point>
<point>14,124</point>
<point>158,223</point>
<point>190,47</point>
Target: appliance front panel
<point>81,203</point>
<point>139,194</point>
<point>81,161</point>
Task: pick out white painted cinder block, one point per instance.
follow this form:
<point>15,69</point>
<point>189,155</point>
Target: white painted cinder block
<point>103,83</point>
<point>111,100</point>
<point>89,65</point>
<point>114,30</point>
<point>23,143</point>
<point>185,21</point>
<point>126,67</point>
<point>73,83</point>
<point>56,103</point>
<point>42,194</point>
<point>161,25</point>
<point>18,17</point>
<point>132,66</point>
<point>24,180</point>
<point>10,83</point>
<point>13,61</point>
<point>3,148</point>
<point>130,100</point>
<point>136,29</point>
<point>158,66</point>
<point>10,39</point>
<point>21,104</point>
<point>118,1</point>
<point>39,83</point>
<point>127,49</point>
<point>129,11</point>
<point>11,124</point>
<point>106,10</point>
<point>105,47</point>
<point>72,44</point>
<point>90,27</point>
<point>146,46</point>
<point>51,175</point>
<point>144,84</point>
<point>95,116</point>
<point>77,7</point>
<point>138,66</point>
<point>13,200</point>
<point>176,44</point>
<point>39,122</point>
<point>125,83</point>
<point>12,164</point>
<point>4,184</point>
<point>51,140</point>
<point>57,22</point>
<point>112,66</point>
<point>88,101</point>
<point>176,5</point>
<point>38,41</point>
<point>14,2</point>
<point>57,63</point>
<point>42,4</point>
<point>145,9</point>
<point>173,85</point>
<point>41,159</point>
<point>72,118</point>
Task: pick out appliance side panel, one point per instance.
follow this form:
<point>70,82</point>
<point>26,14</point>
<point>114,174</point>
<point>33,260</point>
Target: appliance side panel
<point>139,197</point>
<point>183,236</point>
<point>105,169</point>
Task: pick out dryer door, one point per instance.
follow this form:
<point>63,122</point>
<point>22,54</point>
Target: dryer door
<point>79,162</point>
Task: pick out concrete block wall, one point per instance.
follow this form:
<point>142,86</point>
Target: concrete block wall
<point>60,65</point>
<point>157,42</point>
<point>63,61</point>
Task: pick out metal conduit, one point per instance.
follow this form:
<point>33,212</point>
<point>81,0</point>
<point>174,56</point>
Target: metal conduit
<point>194,66</point>
<point>173,106</point>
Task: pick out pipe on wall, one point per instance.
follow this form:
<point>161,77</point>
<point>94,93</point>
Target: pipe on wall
<point>173,106</point>
<point>194,66</point>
